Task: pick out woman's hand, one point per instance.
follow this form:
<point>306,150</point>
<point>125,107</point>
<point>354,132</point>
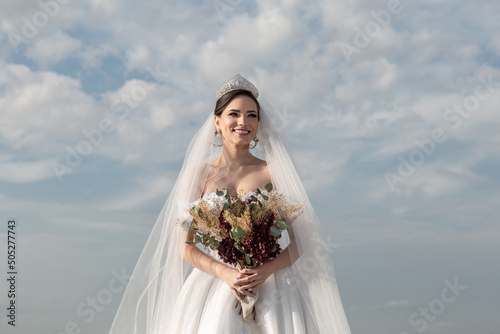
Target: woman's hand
<point>231,276</point>
<point>253,278</point>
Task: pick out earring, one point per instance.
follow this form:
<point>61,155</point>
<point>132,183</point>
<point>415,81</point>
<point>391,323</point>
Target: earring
<point>256,140</point>
<point>218,133</point>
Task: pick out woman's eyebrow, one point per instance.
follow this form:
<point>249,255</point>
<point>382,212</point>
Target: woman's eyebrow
<point>240,110</point>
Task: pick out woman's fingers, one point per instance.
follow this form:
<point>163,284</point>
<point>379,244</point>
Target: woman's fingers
<point>237,295</point>
<point>250,282</point>
<point>251,279</point>
<point>250,286</point>
<point>244,280</point>
<point>247,271</point>
<point>246,292</point>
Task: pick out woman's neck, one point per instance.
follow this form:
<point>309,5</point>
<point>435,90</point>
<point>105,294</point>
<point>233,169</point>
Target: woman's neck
<point>233,156</point>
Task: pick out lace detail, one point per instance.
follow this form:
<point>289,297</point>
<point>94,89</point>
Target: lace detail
<point>212,198</point>
<point>249,194</point>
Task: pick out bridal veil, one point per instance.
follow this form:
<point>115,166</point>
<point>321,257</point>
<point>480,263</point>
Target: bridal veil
<point>149,299</point>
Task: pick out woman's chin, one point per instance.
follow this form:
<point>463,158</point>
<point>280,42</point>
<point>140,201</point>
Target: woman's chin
<point>240,143</point>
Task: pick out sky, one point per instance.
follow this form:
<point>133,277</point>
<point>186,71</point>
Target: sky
<point>392,114</point>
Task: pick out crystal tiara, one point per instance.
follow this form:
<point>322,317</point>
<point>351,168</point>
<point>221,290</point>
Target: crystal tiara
<point>237,82</point>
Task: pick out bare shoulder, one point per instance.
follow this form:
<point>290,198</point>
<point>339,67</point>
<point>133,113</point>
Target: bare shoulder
<point>260,173</point>
<point>259,163</point>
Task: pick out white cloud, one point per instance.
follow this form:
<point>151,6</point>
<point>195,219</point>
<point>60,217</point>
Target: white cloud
<point>138,57</point>
<point>92,56</point>
<point>247,40</point>
<point>105,7</point>
<point>141,111</point>
<point>41,110</point>
<point>50,50</point>
<point>42,113</point>
<point>24,171</point>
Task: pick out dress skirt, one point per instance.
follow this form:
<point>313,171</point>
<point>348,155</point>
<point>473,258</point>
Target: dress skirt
<point>206,305</point>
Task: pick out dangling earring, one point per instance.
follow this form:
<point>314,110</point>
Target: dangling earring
<point>218,133</point>
<point>256,140</point>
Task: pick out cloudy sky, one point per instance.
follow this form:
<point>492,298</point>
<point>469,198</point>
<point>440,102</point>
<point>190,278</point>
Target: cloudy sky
<point>392,110</point>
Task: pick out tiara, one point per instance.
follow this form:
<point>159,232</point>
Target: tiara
<point>237,82</point>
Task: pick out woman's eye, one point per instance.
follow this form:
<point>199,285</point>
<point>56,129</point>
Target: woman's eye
<point>252,115</point>
<point>233,114</point>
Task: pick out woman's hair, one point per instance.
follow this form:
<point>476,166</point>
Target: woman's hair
<point>225,99</point>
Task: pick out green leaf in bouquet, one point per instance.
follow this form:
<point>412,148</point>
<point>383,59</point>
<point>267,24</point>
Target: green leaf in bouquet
<point>211,243</point>
<point>197,239</point>
<point>275,232</point>
<point>252,206</point>
<point>281,224</point>
<point>216,244</point>
<point>248,259</point>
<point>265,197</point>
<point>226,192</point>
<point>260,204</point>
<point>258,191</point>
<point>275,248</point>
<point>269,187</point>
<point>186,225</point>
<point>239,247</point>
<point>197,210</point>
<point>219,192</point>
<point>253,198</point>
<point>236,233</point>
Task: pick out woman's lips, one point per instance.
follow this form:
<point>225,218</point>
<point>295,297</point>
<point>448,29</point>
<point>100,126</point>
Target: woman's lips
<point>242,132</point>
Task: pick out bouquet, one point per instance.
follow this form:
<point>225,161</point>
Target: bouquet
<point>244,232</point>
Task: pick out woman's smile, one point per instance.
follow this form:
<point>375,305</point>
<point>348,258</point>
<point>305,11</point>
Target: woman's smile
<point>241,132</point>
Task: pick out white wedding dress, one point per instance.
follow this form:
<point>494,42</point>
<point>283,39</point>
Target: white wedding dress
<point>302,298</point>
<point>206,305</point>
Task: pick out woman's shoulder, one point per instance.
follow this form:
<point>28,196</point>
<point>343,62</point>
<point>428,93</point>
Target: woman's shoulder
<point>261,173</point>
<point>260,162</point>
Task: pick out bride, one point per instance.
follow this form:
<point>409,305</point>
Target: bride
<point>297,290</point>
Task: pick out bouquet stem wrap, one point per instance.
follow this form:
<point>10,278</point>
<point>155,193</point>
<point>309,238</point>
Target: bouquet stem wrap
<point>248,307</point>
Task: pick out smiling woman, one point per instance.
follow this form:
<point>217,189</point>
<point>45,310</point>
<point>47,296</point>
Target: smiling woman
<point>237,118</point>
<point>291,291</point>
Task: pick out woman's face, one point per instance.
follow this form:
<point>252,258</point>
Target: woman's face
<point>238,122</point>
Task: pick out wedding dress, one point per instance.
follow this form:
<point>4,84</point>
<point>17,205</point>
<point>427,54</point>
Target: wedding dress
<point>206,305</point>
<point>164,297</point>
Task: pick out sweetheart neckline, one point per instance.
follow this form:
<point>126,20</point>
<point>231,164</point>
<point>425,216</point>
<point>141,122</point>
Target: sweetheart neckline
<point>248,192</point>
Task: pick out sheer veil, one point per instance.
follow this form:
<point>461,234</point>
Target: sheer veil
<point>149,299</point>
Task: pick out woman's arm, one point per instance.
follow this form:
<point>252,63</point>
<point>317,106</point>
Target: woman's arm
<point>203,262</point>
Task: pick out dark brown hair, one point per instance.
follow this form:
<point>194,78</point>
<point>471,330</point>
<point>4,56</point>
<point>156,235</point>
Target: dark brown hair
<point>225,99</point>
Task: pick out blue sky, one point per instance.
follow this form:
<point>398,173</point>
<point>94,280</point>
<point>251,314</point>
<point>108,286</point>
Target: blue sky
<point>392,110</point>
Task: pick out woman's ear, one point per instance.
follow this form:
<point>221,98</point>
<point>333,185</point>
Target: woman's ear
<point>216,120</point>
